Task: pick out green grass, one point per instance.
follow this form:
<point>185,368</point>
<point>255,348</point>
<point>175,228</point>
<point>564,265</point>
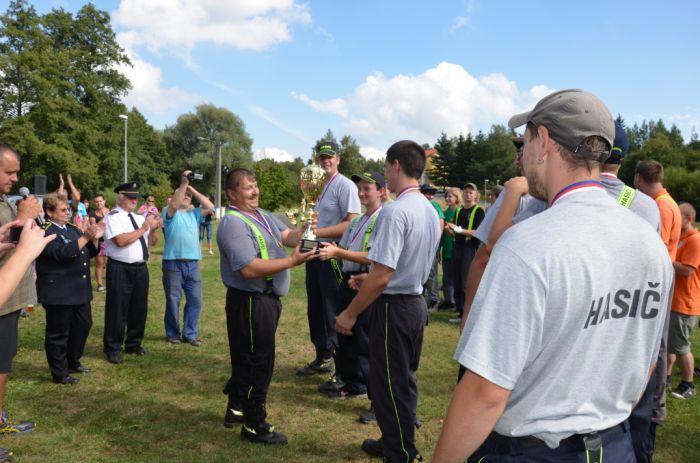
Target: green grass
<point>168,406</point>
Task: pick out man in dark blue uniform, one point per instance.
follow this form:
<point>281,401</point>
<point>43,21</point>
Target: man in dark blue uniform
<point>63,286</point>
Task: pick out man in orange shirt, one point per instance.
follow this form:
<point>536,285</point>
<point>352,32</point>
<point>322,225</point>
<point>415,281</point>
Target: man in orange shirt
<point>648,178</point>
<point>685,307</point>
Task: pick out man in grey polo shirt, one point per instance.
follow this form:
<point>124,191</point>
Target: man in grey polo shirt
<point>255,269</point>
<point>406,239</point>
<point>589,309</point>
<point>336,206</point>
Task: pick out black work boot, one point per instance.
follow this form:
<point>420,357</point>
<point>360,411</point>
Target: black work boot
<point>234,413</point>
<point>323,363</point>
<point>256,429</point>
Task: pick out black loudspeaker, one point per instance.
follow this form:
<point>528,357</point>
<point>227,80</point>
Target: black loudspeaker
<point>39,185</point>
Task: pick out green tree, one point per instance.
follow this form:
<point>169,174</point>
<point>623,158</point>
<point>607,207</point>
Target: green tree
<point>275,190</point>
<point>60,91</point>
<point>442,173</point>
<point>216,125</point>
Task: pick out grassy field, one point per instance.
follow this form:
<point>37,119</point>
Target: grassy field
<point>168,406</point>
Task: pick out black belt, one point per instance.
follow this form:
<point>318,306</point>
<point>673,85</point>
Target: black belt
<point>266,293</point>
<point>576,441</point>
<point>398,296</point>
<point>132,264</point>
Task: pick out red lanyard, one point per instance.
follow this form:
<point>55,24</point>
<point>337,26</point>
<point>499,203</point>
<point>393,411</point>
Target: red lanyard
<point>262,222</point>
<point>586,184</point>
<point>407,190</point>
<point>366,218</point>
<point>323,193</point>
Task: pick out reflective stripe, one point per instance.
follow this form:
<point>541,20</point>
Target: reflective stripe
<point>388,377</point>
<point>336,269</point>
<point>470,225</point>
<point>258,236</point>
<point>368,232</point>
<point>665,197</point>
<point>626,196</point>
<point>250,322</point>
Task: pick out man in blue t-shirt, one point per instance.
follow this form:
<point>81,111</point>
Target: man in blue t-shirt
<point>180,262</point>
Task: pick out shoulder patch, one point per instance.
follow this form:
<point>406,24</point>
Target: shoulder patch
<point>47,225</point>
<point>71,224</point>
<point>113,211</point>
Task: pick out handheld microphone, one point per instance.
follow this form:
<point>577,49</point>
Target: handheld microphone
<point>24,192</point>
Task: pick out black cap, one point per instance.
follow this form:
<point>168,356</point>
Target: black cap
<point>129,189</point>
<point>371,177</point>
<point>425,188</point>
<point>327,148</point>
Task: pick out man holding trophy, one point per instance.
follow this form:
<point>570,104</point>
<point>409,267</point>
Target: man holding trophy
<point>337,203</point>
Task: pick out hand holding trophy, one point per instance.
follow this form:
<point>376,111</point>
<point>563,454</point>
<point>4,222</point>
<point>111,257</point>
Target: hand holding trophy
<point>311,180</point>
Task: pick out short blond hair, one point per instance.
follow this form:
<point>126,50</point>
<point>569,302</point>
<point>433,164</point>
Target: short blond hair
<point>456,192</point>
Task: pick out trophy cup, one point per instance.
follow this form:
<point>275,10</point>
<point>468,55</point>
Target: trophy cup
<point>311,180</point>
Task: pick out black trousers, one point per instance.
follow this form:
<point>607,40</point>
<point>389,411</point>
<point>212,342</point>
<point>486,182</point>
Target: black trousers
<point>251,322</point>
<point>461,261</point>
<point>322,288</point>
<point>642,428</point>
<point>126,304</point>
<point>617,448</point>
<point>67,330</point>
<point>395,342</point>
<point>352,355</point>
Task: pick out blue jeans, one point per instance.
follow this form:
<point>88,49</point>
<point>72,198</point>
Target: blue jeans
<point>448,289</point>
<point>179,276</point>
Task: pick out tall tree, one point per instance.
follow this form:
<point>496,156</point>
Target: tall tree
<point>442,173</point>
<point>193,141</point>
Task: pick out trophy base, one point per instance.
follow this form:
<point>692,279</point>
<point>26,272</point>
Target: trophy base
<point>309,245</point>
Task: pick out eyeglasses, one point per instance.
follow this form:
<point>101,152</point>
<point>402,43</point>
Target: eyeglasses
<point>150,201</point>
<point>63,209</point>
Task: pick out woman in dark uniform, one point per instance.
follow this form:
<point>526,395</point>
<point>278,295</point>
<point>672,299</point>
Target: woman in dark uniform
<point>64,289</point>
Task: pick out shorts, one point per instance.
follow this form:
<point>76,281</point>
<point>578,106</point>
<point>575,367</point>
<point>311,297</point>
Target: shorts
<point>679,327</point>
<point>102,251</point>
<point>8,340</point>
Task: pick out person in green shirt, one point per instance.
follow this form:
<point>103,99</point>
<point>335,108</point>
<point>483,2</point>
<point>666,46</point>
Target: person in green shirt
<point>453,199</point>
<point>431,288</point>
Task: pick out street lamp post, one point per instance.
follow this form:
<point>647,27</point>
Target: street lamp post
<point>125,118</point>
<point>486,192</point>
<point>218,144</point>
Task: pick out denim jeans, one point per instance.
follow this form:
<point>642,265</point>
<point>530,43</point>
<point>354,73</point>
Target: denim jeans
<point>179,276</point>
<point>448,289</point>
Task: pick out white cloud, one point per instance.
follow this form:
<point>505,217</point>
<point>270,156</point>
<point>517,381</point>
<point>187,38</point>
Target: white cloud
<point>267,116</point>
<point>445,98</point>
<point>277,154</point>
<point>177,26</point>
<point>336,105</point>
<point>370,152</point>
<point>148,93</point>
<point>461,21</point>
<point>458,23</point>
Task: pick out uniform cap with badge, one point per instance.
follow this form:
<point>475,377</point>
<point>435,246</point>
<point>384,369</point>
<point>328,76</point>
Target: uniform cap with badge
<point>129,189</point>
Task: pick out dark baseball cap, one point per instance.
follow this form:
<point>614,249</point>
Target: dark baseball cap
<point>327,148</point>
<point>129,189</point>
<point>571,116</point>
<point>371,177</point>
<point>426,188</point>
<point>620,145</point>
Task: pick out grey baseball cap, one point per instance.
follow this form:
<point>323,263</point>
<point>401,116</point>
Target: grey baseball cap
<point>571,116</point>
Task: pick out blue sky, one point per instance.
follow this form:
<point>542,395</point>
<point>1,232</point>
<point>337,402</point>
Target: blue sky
<point>385,70</point>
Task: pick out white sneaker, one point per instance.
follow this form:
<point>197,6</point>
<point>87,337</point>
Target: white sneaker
<point>211,253</point>
<point>455,320</point>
